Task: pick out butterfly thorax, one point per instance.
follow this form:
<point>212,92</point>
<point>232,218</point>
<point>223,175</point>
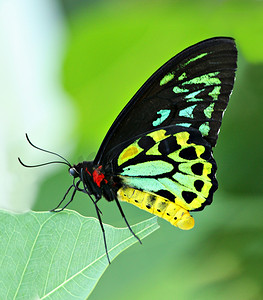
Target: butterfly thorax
<point>95,179</point>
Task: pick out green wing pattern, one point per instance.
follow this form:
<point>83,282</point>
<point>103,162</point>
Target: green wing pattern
<point>200,87</point>
<point>192,90</point>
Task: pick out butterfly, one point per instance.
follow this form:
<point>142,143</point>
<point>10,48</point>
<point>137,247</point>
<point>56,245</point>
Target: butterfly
<point>157,155</point>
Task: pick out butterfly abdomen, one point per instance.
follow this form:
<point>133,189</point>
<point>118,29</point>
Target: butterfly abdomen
<point>158,206</point>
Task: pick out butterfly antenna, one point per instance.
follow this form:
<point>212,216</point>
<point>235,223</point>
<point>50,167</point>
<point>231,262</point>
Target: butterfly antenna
<point>54,153</point>
<point>66,162</point>
<point>44,164</point>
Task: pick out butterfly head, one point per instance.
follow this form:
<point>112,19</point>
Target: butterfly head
<point>73,171</point>
<point>81,169</point>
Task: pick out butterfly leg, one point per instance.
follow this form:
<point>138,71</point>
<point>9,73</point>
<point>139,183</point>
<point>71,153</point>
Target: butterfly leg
<point>94,202</point>
<point>55,209</point>
<point>123,215</point>
<point>86,191</point>
<point>103,232</point>
<point>71,199</point>
<point>99,213</point>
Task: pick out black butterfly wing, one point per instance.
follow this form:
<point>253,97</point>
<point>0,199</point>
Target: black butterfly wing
<point>192,90</point>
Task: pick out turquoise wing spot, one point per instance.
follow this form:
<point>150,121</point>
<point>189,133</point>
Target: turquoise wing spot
<point>178,90</point>
<point>167,78</point>
<point>149,168</point>
<point>187,112</point>
<point>164,115</point>
<point>184,124</point>
<point>206,79</point>
<point>209,110</point>
<point>171,185</point>
<point>143,183</point>
<point>195,58</point>
<point>204,128</point>
<point>215,92</point>
<point>186,180</point>
<point>191,97</point>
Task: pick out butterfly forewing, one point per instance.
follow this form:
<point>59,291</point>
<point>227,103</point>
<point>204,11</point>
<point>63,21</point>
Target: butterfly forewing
<point>192,90</point>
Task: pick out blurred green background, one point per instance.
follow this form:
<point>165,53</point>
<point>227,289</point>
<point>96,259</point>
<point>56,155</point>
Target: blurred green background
<point>112,47</point>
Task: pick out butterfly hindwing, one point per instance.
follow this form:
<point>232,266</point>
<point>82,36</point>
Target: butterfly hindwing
<point>192,90</point>
<point>169,170</point>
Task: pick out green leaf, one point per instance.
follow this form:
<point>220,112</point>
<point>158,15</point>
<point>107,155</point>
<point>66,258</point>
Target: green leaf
<point>57,255</point>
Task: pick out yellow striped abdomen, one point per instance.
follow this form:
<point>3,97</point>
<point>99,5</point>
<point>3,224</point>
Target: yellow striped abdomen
<point>158,206</point>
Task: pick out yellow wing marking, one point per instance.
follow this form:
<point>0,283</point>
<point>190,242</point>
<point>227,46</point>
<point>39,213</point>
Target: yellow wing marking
<point>158,135</point>
<point>134,149</point>
<point>130,152</point>
<point>199,149</point>
<point>159,206</point>
<point>182,138</point>
<point>154,150</point>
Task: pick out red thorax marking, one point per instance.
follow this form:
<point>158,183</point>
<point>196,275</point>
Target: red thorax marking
<point>98,177</point>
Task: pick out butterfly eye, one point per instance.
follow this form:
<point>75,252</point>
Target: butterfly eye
<point>73,172</point>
